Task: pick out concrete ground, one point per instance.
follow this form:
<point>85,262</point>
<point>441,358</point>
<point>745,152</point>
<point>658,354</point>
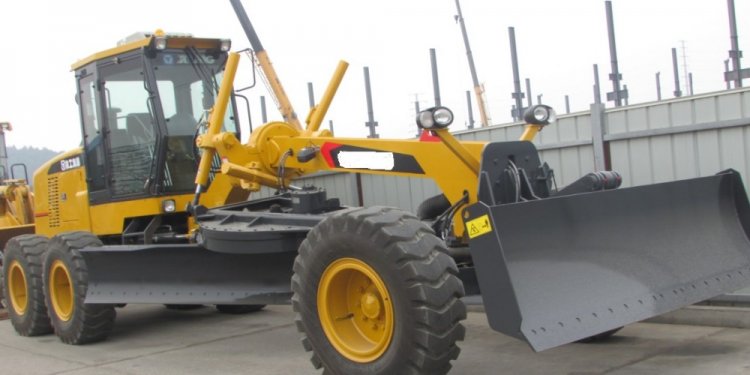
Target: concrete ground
<point>153,340</point>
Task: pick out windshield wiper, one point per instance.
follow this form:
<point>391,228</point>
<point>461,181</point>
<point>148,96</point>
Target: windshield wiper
<point>199,64</point>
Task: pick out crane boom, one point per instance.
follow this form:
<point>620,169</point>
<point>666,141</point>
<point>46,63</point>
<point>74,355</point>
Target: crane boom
<point>277,90</point>
<point>478,89</point>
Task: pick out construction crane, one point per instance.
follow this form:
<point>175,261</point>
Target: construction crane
<point>478,88</point>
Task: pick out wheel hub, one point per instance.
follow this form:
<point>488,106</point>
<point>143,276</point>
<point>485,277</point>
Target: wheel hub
<point>370,305</point>
<point>355,310</point>
<point>61,290</point>
<point>17,288</point>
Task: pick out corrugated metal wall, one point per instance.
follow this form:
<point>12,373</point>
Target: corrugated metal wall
<point>677,139</point>
<point>648,143</point>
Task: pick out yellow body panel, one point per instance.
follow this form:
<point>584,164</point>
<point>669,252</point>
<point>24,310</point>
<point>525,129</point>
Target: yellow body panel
<point>108,218</point>
<point>62,197</point>
<point>62,202</point>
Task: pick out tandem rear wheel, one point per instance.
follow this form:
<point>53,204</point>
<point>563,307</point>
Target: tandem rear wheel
<point>65,285</point>
<point>376,292</point>
<point>23,285</point>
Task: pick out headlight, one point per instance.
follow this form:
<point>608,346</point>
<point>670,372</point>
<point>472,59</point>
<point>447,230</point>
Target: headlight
<point>160,42</point>
<point>436,117</point>
<point>168,205</point>
<point>226,45</point>
<point>540,114</point>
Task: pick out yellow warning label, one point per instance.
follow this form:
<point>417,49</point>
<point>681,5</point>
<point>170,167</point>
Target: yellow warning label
<point>478,226</point>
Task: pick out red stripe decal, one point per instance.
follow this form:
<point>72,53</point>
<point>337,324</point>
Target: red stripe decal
<point>428,136</point>
<point>326,150</point>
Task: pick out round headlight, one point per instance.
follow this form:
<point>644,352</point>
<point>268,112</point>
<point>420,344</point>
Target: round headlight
<point>425,120</point>
<point>443,117</point>
<point>436,117</point>
<point>540,115</point>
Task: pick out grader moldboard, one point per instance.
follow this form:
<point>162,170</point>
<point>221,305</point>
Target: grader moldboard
<point>376,289</point>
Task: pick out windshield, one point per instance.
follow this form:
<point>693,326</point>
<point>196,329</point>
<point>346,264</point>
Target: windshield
<point>187,81</point>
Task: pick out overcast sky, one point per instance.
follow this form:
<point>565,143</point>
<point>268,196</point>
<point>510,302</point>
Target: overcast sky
<point>558,43</point>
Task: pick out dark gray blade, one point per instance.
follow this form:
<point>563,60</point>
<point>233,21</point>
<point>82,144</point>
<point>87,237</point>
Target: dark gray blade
<point>557,270</point>
<point>186,274</point>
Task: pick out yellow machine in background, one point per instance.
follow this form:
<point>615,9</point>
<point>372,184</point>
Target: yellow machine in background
<point>16,198</point>
<point>16,212</point>
<point>16,201</point>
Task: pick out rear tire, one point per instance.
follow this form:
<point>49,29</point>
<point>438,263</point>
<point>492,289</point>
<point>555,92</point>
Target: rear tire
<point>65,285</point>
<point>375,292</point>
<point>22,283</point>
<point>239,309</point>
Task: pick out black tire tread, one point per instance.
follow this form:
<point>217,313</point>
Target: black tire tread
<point>429,273</point>
<point>31,248</point>
<point>92,322</point>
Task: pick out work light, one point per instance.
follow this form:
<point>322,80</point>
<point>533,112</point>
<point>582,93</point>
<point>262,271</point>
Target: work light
<point>160,42</point>
<point>226,44</point>
<point>540,114</point>
<point>168,205</point>
<point>435,117</point>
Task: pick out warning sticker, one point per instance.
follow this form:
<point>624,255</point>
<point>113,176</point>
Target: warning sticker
<point>478,226</point>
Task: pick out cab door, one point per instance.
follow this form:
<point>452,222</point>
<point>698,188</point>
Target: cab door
<point>130,130</point>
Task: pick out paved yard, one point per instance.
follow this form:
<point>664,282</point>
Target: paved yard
<point>153,340</point>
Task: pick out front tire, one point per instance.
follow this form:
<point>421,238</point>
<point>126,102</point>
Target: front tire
<point>65,285</point>
<point>376,292</point>
<point>23,286</point>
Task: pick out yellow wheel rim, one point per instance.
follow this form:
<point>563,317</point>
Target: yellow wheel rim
<point>355,310</point>
<point>17,288</point>
<point>61,290</point>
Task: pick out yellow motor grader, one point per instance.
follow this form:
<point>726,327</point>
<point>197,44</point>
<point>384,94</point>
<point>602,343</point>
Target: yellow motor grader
<point>376,289</point>
<point>16,200</point>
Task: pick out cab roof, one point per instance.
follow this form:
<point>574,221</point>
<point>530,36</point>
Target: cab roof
<point>144,39</point>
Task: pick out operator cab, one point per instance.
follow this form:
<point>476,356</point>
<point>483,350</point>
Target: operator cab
<point>141,106</point>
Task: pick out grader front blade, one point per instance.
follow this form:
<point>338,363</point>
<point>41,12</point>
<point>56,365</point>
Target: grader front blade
<point>556,270</point>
